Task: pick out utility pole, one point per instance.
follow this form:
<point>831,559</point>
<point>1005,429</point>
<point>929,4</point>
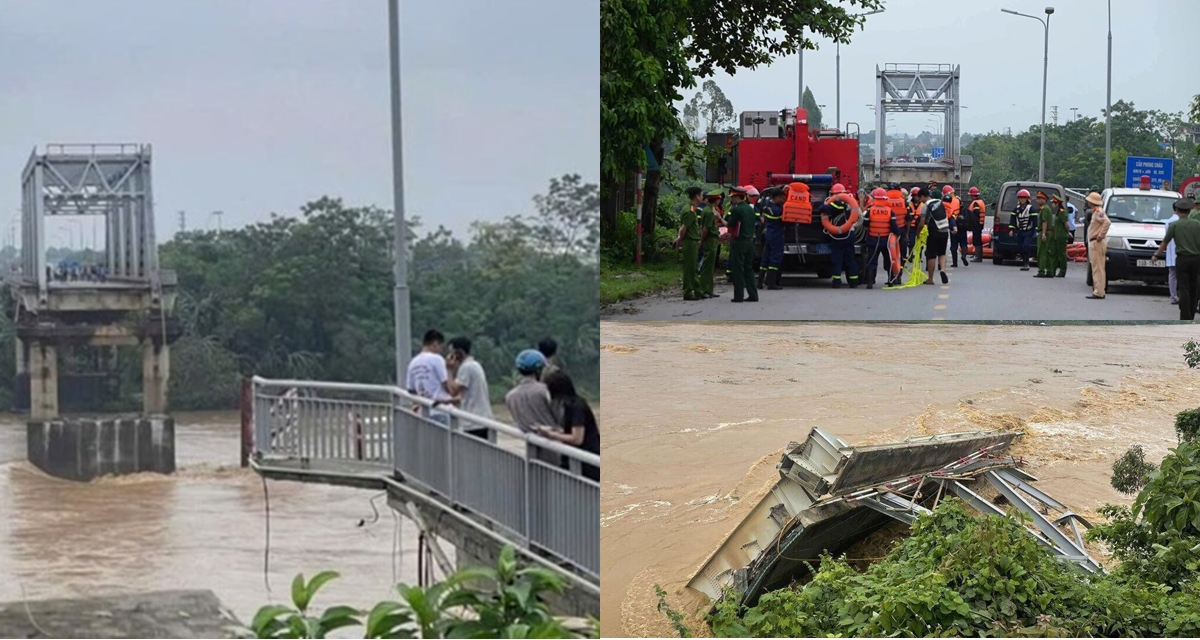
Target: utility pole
<point>800,100</point>
<point>1045,73</point>
<point>182,221</point>
<point>1054,114</point>
<point>1108,109</point>
<point>400,299</point>
<point>1074,113</point>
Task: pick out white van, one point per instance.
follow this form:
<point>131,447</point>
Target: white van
<point>1139,223</point>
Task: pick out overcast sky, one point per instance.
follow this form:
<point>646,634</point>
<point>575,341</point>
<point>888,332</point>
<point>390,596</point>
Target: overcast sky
<point>1000,58</point>
<point>254,107</point>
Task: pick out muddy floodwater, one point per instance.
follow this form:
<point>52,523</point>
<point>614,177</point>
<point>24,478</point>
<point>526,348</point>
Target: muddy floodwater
<point>202,528</point>
<point>696,415</point>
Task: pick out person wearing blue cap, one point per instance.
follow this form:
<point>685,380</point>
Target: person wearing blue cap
<point>529,402</point>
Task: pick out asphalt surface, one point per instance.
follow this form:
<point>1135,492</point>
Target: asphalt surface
<point>980,292</point>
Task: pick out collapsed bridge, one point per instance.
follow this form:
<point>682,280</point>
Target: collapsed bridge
<point>831,495</point>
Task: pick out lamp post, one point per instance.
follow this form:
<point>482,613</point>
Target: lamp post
<point>838,122</point>
<point>1045,70</point>
<point>1108,109</point>
<point>400,298</point>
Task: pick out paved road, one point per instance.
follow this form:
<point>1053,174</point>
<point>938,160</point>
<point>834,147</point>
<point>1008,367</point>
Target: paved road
<point>982,291</point>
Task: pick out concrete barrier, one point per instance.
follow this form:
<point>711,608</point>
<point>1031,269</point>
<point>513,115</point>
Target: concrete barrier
<point>87,448</point>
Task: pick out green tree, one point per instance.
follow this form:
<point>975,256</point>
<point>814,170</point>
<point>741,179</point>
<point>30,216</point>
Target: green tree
<point>814,111</point>
<point>709,111</point>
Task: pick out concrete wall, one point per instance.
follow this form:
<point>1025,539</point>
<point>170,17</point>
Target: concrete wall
<point>83,449</point>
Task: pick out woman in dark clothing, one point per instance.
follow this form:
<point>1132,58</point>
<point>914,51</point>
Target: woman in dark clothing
<point>579,427</point>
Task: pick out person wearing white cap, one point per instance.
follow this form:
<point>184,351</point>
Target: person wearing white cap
<point>1097,235</point>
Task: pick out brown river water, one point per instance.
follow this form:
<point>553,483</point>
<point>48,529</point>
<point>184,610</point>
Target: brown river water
<point>201,528</point>
<point>696,415</point>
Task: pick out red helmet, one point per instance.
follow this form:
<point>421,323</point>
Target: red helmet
<point>1023,193</point>
<point>838,188</point>
<point>973,191</point>
<point>947,189</point>
<point>879,193</point>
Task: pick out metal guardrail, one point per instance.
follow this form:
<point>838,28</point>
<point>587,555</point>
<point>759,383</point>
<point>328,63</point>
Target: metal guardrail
<point>513,480</point>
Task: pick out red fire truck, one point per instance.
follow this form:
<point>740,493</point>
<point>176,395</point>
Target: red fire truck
<point>775,148</point>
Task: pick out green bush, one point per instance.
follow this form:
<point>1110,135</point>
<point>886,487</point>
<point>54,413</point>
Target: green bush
<point>1131,471</point>
<point>1187,425</point>
<point>1171,499</point>
<point>500,602</point>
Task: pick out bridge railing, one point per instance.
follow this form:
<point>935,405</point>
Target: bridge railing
<point>535,491</point>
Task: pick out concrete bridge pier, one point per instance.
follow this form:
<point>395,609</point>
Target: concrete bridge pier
<point>156,374</point>
<point>43,380</point>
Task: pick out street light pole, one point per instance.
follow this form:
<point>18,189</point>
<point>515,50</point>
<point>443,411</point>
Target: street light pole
<point>838,123</point>
<point>800,100</point>
<point>1045,71</point>
<point>1108,109</point>
<point>400,239</point>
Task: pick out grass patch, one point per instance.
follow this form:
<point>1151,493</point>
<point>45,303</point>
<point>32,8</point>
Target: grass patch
<point>625,282</point>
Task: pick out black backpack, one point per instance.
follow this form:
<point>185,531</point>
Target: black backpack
<point>940,222</point>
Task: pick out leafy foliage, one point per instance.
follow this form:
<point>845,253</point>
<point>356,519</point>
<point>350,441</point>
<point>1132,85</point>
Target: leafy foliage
<point>504,601</point>
<point>1075,149</point>
<point>674,615</point>
<point>311,297</point>
<point>650,50</point>
<point>814,111</point>
<point>1187,425</point>
<point>1171,499</point>
<point>965,574</point>
<point>1131,471</point>
<point>1191,354</point>
<point>709,111</point>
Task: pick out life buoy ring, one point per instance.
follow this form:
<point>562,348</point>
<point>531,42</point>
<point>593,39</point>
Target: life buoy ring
<point>851,220</point>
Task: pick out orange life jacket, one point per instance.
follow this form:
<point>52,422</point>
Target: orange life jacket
<point>879,220</point>
<point>914,220</point>
<point>798,207</point>
<point>979,207</point>
<point>953,207</point>
<point>899,207</point>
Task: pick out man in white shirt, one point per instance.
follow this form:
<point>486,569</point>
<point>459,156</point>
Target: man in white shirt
<point>427,375</point>
<point>470,385</point>
<point>1172,283</point>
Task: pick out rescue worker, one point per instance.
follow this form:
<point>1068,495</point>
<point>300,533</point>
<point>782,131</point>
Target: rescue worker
<point>688,241</point>
<point>978,212</point>
<point>941,226</point>
<point>897,201</point>
<point>1022,226</point>
<point>772,257</point>
<point>741,248</point>
<point>881,223</point>
<point>710,231</point>
<point>1045,262</point>
<point>1185,232</point>
<point>958,240</point>
<point>914,221</point>
<point>839,213</point>
<point>1097,235</point>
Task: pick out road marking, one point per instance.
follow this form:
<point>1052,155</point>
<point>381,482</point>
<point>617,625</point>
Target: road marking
<point>945,286</point>
<point>939,318</point>
<point>939,307</point>
<point>943,296</point>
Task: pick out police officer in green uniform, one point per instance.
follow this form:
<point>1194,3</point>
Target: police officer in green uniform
<point>689,241</point>
<point>710,232</point>
<point>741,221</point>
<point>1060,230</point>
<point>1186,233</point>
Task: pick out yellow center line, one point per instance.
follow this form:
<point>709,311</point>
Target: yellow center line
<point>943,296</point>
<point>945,286</point>
<point>939,318</point>
<point>939,306</point>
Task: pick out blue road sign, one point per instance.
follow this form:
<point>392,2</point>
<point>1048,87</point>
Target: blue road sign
<point>938,152</point>
<point>1158,169</point>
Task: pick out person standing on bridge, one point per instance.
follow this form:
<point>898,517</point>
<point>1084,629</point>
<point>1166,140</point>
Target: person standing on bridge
<point>579,428</point>
<point>470,385</point>
<point>1057,232</point>
<point>978,212</point>
<point>1172,282</point>
<point>1022,226</point>
<point>529,402</point>
<point>1097,235</point>
<point>689,241</point>
<point>1185,233</point>
<point>772,257</point>
<point>741,248</point>
<point>895,199</point>
<point>427,376</point>
<point>839,216</point>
